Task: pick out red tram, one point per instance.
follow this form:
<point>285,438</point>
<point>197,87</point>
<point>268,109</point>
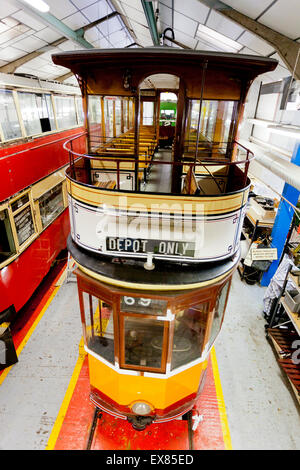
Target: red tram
<point>36,118</point>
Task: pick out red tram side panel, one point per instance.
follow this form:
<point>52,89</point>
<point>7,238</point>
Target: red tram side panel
<point>24,165</point>
<point>20,278</point>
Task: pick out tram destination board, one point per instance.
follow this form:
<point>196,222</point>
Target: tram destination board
<point>24,224</point>
<point>160,247</point>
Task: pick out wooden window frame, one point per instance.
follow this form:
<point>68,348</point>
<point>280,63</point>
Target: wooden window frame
<point>183,300</point>
<point>123,365</point>
<point>12,214</point>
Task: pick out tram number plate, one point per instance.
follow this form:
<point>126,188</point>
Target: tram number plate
<point>159,247</point>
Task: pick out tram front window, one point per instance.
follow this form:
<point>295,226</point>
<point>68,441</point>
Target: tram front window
<point>189,334</point>
<point>144,339</point>
<point>99,327</point>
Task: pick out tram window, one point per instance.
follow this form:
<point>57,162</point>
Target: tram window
<point>65,111</point>
<point>144,340</point>
<point>99,327</point>
<point>95,120</point>
<point>125,114</point>
<point>219,313</point>
<point>118,118</point>
<point>143,305</point>
<point>189,334</point>
<point>131,114</point>
<point>30,114</point>
<point>20,202</point>
<point>79,109</point>
<point>51,204</point>
<point>108,116</point>
<point>45,110</point>
<point>24,224</point>
<point>148,113</point>
<point>215,120</point>
<point>7,244</point>
<point>8,116</point>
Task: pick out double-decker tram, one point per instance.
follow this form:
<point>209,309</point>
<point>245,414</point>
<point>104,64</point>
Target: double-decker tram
<point>155,229</point>
<point>36,118</point>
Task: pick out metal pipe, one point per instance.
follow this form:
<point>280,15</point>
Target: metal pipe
<point>287,171</point>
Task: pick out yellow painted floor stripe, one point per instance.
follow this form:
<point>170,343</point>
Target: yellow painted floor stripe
<point>30,331</point>
<point>221,402</point>
<point>65,404</point>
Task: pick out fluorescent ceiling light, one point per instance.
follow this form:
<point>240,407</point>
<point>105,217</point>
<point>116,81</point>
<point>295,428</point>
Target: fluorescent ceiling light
<point>38,5</point>
<point>218,39</point>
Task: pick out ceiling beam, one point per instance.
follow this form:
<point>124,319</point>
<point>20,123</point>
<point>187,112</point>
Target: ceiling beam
<point>151,20</point>
<point>287,48</point>
<point>55,23</point>
<point>11,67</point>
<point>64,77</point>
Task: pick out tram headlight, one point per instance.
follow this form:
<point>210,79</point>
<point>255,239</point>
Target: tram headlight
<point>141,408</point>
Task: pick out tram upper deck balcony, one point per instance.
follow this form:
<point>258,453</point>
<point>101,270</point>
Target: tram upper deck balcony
<point>180,192</point>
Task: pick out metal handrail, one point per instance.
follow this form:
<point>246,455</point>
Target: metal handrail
<point>120,158</point>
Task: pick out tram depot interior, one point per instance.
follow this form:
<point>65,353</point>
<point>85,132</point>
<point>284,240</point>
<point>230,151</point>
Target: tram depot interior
<point>149,225</point>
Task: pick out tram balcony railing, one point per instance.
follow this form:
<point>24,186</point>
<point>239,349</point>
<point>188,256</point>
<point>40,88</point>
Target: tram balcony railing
<point>110,215</point>
<point>210,172</point>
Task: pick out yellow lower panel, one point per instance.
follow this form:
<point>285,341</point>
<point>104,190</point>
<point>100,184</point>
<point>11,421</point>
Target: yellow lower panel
<point>161,393</point>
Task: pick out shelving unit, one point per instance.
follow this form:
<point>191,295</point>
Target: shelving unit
<point>283,341</point>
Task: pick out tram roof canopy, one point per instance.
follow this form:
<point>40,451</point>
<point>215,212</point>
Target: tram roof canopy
<point>104,70</point>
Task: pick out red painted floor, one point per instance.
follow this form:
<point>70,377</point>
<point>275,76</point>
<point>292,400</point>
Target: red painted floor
<point>117,434</point>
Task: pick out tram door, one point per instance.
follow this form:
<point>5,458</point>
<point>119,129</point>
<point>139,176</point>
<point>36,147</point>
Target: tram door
<point>167,118</point>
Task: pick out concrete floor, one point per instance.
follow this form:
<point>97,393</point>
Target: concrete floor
<point>261,411</point>
<point>32,393</point>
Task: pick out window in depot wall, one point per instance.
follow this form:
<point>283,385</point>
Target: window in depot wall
<point>7,244</point>
<point>8,116</point>
<point>189,334</point>
<point>51,204</point>
<point>219,313</point>
<point>99,327</point>
<point>148,113</point>
<point>65,111</point>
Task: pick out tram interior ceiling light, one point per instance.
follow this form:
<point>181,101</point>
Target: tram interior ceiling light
<point>218,39</point>
<point>38,5</point>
